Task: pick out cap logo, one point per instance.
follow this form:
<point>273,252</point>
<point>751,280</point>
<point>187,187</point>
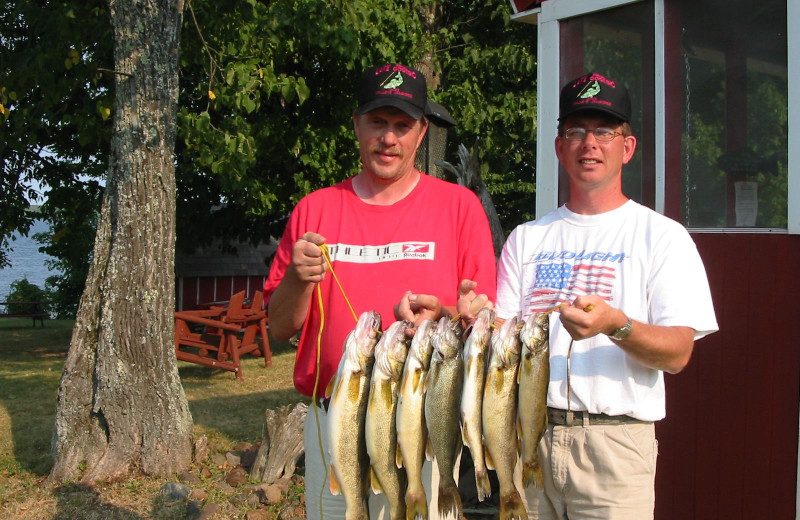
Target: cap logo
<point>590,90</point>
<point>393,81</point>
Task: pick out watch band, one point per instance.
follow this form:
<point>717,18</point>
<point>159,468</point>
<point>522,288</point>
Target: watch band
<point>623,332</point>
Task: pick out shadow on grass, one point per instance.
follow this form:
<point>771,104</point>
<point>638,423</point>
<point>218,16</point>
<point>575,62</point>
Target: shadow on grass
<point>75,500</point>
<point>31,361</point>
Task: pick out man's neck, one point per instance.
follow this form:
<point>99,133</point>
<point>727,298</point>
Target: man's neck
<point>372,191</point>
<point>593,203</point>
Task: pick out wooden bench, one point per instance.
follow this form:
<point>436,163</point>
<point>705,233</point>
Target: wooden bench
<point>29,310</point>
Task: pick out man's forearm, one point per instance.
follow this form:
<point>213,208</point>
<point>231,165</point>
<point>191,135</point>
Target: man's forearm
<point>288,308</point>
<point>662,348</point>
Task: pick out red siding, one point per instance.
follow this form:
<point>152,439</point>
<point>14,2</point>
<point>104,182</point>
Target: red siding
<point>728,447</point>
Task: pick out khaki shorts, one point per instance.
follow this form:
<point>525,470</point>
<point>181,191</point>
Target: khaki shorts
<point>597,472</point>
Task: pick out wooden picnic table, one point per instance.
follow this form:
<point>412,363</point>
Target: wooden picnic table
<point>33,310</point>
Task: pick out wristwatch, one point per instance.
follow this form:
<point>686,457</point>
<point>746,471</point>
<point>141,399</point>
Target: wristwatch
<point>623,332</point>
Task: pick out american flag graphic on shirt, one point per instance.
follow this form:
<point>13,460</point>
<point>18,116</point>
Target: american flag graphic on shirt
<point>564,281</point>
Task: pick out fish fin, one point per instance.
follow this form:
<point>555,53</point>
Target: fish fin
<point>483,485</point>
<point>449,501</point>
<point>428,449</point>
<point>464,439</point>
<point>329,388</point>
<point>532,474</point>
<point>488,458</point>
<point>374,482</point>
<point>333,482</point>
<point>416,505</point>
<point>398,457</point>
<point>511,507</point>
<point>457,456</point>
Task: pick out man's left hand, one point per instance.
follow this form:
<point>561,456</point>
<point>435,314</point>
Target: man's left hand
<point>588,316</point>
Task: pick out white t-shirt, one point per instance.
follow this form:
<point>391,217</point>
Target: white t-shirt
<point>637,260</point>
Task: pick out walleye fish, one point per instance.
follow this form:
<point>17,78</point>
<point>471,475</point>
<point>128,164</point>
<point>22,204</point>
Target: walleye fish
<point>534,376</point>
<point>386,476</point>
<point>500,416</point>
<point>346,417</point>
<point>476,348</point>
<point>412,433</point>
<point>442,410</point>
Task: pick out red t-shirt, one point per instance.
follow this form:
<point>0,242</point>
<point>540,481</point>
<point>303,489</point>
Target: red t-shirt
<point>426,243</point>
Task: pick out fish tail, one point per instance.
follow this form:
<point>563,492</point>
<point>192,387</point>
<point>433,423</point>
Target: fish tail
<point>511,507</point>
<point>532,474</point>
<point>449,500</point>
<point>416,505</point>
<point>482,484</point>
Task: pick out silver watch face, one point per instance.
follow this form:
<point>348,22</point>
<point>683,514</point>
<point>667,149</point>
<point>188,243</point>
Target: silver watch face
<point>623,332</point>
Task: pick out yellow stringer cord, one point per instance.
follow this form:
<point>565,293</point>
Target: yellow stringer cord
<point>314,393</point>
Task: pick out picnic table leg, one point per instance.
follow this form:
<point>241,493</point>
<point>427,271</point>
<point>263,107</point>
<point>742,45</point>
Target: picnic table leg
<point>262,325</point>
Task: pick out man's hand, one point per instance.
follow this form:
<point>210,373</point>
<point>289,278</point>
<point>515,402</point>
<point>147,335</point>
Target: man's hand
<point>470,303</point>
<point>416,308</point>
<point>588,316</point>
<point>308,264</point>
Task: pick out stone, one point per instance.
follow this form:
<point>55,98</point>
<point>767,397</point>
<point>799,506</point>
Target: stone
<point>283,484</point>
<point>224,487</point>
<point>208,511</point>
<point>198,494</point>
<point>218,459</point>
<point>190,477</point>
<point>236,477</point>
<point>270,494</point>
<point>194,509</point>
<point>259,514</point>
<point>175,491</point>
<point>254,500</point>
<point>205,473</point>
<point>201,449</point>
<point>233,458</point>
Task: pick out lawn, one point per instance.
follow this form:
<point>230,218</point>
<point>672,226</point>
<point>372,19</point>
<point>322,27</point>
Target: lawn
<point>227,411</point>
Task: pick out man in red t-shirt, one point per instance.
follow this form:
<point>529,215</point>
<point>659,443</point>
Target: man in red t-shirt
<point>401,243</point>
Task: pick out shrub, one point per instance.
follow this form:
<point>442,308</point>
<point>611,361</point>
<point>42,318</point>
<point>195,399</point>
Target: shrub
<point>25,291</point>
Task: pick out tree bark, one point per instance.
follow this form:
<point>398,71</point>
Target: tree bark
<point>121,407</point>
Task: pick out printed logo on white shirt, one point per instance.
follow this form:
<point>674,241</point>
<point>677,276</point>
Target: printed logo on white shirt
<point>374,254</point>
<point>557,280</point>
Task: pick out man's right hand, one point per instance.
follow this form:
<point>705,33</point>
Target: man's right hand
<point>308,264</point>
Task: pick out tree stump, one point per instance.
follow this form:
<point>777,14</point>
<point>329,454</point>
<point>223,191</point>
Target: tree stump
<point>282,444</point>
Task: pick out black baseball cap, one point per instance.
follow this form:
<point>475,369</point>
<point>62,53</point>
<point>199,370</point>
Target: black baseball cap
<point>393,85</point>
<point>594,91</point>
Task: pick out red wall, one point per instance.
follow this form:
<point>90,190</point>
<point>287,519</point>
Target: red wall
<point>197,291</point>
<point>728,447</point>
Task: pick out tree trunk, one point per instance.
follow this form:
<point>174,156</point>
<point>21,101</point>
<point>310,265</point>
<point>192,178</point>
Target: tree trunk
<point>121,407</point>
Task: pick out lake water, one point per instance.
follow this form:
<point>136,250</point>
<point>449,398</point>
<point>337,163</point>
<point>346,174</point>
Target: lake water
<point>26,261</point>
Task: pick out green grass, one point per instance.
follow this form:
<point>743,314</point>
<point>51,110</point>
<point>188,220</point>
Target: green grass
<point>223,408</point>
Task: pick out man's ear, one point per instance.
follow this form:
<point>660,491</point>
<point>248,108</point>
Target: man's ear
<point>630,148</point>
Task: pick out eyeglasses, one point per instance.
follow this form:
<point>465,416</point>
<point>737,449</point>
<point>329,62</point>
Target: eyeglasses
<point>604,135</point>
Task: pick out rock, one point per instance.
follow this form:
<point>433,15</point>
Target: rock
<point>249,456</point>
<point>175,491</point>
<point>270,494</point>
<point>190,477</point>
<point>208,512</point>
<point>259,514</point>
<point>224,487</point>
<point>201,449</point>
<point>205,473</point>
<point>194,510</point>
<point>283,484</point>
<point>238,500</point>
<point>233,458</point>
<point>254,500</point>
<point>236,477</point>
<point>198,494</point>
<point>218,459</point>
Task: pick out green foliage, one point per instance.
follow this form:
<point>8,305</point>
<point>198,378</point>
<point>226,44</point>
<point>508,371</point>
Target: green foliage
<point>54,126</point>
<point>24,291</point>
<point>266,98</point>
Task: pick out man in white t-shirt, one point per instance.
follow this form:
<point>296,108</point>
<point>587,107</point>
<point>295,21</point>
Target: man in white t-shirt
<point>633,298</point>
